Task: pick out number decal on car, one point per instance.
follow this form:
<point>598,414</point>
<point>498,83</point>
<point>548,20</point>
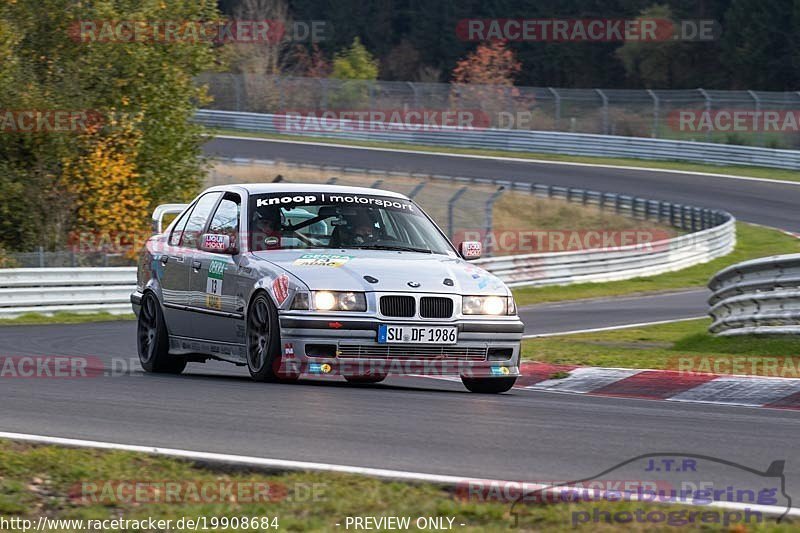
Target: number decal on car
<point>216,270</point>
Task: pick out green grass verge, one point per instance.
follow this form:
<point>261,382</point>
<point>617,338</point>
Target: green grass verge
<point>64,318</point>
<point>755,172</point>
<point>683,345</point>
<point>751,242</point>
<point>51,481</point>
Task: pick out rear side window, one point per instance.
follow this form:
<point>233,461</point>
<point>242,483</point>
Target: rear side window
<point>177,230</point>
<point>226,218</point>
<point>197,220</point>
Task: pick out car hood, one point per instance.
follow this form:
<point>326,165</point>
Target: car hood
<point>346,270</point>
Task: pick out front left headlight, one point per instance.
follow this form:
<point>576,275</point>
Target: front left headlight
<point>340,301</point>
<point>488,305</point>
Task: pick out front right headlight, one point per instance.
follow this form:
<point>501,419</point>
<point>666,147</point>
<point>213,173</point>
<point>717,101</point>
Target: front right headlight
<point>339,301</point>
<point>487,305</point>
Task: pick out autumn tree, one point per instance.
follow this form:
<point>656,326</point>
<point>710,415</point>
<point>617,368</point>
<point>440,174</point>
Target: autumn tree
<point>355,63</point>
<point>492,63</point>
<point>485,79</point>
<point>47,66</point>
<point>354,66</point>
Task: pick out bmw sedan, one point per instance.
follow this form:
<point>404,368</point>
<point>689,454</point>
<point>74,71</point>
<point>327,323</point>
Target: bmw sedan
<point>298,279</point>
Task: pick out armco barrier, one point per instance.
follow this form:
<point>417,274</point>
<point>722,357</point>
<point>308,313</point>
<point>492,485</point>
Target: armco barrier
<point>525,141</point>
<point>50,290</point>
<point>712,234</point>
<point>761,296</point>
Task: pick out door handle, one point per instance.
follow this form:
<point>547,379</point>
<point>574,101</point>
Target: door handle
<point>196,265</point>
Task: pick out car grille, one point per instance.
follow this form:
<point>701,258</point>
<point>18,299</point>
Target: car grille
<point>430,307</point>
<point>400,306</point>
<point>463,353</point>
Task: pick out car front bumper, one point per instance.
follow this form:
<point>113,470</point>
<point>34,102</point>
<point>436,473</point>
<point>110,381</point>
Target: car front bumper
<point>485,348</point>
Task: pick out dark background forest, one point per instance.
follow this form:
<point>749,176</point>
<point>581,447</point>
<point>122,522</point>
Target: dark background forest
<point>416,40</point>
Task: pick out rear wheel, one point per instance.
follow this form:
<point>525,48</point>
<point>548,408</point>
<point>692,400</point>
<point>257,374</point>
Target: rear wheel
<point>153,340</point>
<point>264,358</point>
<point>488,385</point>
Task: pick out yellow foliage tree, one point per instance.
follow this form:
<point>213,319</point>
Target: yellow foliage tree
<point>111,204</point>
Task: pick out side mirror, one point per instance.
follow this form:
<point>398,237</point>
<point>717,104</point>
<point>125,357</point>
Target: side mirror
<point>165,209</point>
<point>471,250</point>
<point>218,244</point>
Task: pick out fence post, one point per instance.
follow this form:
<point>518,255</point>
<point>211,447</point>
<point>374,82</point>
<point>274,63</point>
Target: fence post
<point>557,106</point>
<point>760,133</point>
<point>450,207</point>
<point>416,94</point>
<point>237,90</point>
<point>708,111</point>
<point>416,190</point>
<point>656,106</point>
<point>605,110</point>
<point>489,208</point>
<point>41,257</point>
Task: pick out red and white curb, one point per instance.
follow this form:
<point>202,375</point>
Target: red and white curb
<point>667,385</point>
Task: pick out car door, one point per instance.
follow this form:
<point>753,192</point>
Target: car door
<point>175,264</point>
<point>216,301</point>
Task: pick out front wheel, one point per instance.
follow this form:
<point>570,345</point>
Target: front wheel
<point>488,385</point>
<point>153,340</point>
<point>264,359</point>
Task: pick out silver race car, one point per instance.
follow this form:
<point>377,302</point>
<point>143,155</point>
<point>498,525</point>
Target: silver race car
<point>293,279</point>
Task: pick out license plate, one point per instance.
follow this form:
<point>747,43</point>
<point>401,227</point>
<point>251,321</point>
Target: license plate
<point>393,334</point>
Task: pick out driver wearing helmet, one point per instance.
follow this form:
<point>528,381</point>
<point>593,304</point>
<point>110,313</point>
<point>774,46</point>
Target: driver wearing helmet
<point>360,230</point>
<point>266,228</point>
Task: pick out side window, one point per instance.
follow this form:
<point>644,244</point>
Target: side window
<point>226,218</point>
<point>177,230</point>
<point>197,220</point>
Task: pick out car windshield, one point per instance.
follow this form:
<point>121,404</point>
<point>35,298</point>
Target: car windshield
<point>341,220</point>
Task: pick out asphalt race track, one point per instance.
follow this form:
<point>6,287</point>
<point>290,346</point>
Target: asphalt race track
<point>412,424</point>
<point>417,424</point>
<point>762,202</point>
<point>604,313</point>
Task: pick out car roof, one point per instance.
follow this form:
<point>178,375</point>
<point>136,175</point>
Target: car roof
<point>264,188</point>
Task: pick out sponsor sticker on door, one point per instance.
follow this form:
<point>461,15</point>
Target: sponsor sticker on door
<point>216,270</point>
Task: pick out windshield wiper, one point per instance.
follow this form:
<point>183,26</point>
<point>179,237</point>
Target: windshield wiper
<point>398,248</point>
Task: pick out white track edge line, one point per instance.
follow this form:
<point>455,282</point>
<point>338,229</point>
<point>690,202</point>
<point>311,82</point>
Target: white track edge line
<point>324,467</point>
<point>611,328</point>
<point>511,159</point>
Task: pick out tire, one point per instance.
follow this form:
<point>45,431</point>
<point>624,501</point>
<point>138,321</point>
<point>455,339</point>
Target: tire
<point>365,379</point>
<point>264,358</point>
<point>152,340</point>
<point>488,385</point>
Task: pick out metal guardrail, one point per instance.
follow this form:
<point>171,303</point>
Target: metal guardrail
<point>629,112</point>
<point>51,290</point>
<point>761,296</point>
<point>523,141</point>
<point>712,234</point>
